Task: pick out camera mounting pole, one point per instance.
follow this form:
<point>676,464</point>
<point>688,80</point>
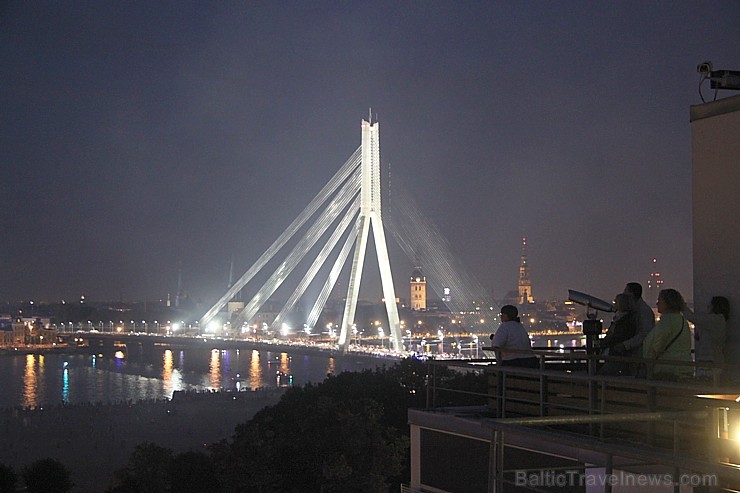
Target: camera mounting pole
<point>591,324</point>
<point>592,327</point>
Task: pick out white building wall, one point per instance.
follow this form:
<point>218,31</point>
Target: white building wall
<point>715,152</point>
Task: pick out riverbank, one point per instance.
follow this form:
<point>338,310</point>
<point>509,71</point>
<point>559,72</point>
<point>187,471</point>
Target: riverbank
<point>93,441</point>
<point>61,348</point>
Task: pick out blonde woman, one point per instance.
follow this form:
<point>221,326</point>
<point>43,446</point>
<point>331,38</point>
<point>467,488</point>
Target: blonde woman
<point>670,339</point>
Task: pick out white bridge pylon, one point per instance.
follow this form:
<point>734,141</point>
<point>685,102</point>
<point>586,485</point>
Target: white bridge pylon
<point>352,193</point>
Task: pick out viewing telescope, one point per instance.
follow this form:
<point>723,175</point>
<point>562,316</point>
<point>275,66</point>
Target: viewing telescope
<point>590,301</point>
<point>591,326</point>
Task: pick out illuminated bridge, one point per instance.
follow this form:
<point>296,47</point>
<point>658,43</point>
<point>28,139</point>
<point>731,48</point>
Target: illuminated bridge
<point>343,213</point>
<point>109,342</point>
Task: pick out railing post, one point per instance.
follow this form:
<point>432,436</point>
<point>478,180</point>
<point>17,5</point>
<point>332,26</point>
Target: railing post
<point>428,396</point>
<point>591,364</point>
<point>543,387</point>
<point>500,384</point>
<point>608,470</point>
<point>676,483</point>
<point>434,388</point>
<point>602,407</point>
<point>651,408</point>
<point>496,463</point>
<point>675,436</point>
<point>592,390</point>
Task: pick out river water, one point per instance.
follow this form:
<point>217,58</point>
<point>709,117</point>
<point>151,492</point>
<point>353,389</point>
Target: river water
<point>38,380</point>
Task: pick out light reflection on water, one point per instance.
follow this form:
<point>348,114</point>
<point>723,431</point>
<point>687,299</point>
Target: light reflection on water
<point>171,376</point>
<point>30,392</point>
<point>65,386</point>
<point>37,380</point>
<point>215,370</point>
<point>255,370</point>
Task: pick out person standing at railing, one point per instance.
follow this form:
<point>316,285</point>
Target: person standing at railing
<point>710,333</point>
<point>623,327</point>
<point>670,339</point>
<point>511,334</point>
<point>645,321</point>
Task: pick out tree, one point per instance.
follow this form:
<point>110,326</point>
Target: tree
<point>148,471</point>
<point>348,433</point>
<point>193,472</point>
<point>47,476</point>
<point>8,478</point>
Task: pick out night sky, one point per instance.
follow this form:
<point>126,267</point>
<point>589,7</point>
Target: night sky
<point>140,137</point>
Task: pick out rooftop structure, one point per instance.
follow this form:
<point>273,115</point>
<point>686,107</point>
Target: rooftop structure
<point>715,154</point>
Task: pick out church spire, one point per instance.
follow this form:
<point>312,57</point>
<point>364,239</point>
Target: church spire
<point>525,285</point>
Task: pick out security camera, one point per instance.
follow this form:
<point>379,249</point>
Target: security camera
<point>704,68</point>
<point>590,301</point>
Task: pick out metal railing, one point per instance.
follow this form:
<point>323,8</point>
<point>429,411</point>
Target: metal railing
<point>582,364</point>
<point>652,420</point>
<point>569,384</point>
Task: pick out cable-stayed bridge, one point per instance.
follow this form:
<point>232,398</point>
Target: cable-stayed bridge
<point>347,208</point>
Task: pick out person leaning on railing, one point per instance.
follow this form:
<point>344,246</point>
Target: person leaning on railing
<point>670,339</point>
<point>511,334</point>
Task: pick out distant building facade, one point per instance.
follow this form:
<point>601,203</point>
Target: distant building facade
<point>6,335</point>
<point>418,287</point>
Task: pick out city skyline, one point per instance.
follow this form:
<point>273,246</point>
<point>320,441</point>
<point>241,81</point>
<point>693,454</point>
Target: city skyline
<point>141,141</point>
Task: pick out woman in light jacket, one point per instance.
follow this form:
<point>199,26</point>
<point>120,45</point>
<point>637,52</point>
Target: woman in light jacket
<point>670,339</point>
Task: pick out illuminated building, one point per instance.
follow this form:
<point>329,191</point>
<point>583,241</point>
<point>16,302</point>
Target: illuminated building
<point>654,284</point>
<point>19,331</point>
<point>525,285</point>
<point>418,287</point>
<point>6,335</point>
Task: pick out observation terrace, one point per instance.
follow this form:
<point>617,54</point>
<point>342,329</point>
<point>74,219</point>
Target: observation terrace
<point>563,427</point>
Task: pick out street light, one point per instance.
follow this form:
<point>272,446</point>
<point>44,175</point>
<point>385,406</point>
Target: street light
<point>381,333</point>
